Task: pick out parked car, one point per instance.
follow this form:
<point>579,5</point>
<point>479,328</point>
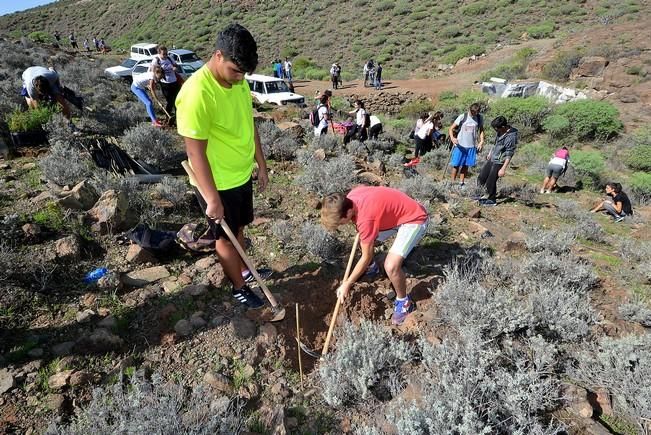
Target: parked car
<point>186,70</point>
<point>266,89</point>
<point>124,70</point>
<point>143,51</point>
<point>186,57</point>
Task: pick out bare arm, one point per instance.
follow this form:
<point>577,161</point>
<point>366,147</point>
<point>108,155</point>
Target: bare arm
<point>196,151</point>
<point>263,177</point>
<point>451,133</point>
<point>480,145</point>
<point>358,271</point>
<point>502,170</point>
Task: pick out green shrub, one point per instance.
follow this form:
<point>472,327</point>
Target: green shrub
<point>416,107</point>
<point>557,126</point>
<point>591,119</point>
<point>453,105</point>
<point>463,51</point>
<point>533,152</point>
<point>561,66</point>
<point>522,112</point>
<point>515,69</point>
<point>302,62</point>
<point>40,37</point>
<point>641,187</point>
<point>32,119</point>
<point>588,165</point>
<point>637,70</point>
<point>639,158</point>
<point>288,51</point>
<point>541,30</point>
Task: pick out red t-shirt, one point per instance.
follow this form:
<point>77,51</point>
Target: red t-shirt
<point>382,208</point>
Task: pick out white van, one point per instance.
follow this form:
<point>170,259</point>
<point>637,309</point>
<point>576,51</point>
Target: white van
<point>143,50</point>
<point>266,89</point>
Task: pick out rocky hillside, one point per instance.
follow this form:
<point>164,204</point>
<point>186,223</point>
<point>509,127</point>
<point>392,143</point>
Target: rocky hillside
<point>403,34</point>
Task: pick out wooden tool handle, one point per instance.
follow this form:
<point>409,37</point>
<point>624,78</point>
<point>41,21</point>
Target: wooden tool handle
<point>336,311</point>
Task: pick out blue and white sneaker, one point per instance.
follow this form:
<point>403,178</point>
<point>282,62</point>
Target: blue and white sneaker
<point>487,202</point>
<point>401,310</point>
<point>373,270</point>
<point>245,296</point>
<point>263,272</point>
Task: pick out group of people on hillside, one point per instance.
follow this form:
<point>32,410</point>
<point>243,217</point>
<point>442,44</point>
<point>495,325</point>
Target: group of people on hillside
<point>283,70</point>
<point>361,124</point>
<point>215,119</point>
<point>373,74</point>
<point>99,44</point>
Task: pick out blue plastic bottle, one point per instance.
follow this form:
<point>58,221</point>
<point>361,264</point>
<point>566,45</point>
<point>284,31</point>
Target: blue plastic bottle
<point>95,275</point>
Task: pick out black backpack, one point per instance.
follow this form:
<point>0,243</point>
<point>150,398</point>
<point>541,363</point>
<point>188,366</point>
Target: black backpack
<point>479,120</point>
<point>314,116</point>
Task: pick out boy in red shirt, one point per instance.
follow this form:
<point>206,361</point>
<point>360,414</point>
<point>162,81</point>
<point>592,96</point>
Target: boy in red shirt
<point>379,213</point>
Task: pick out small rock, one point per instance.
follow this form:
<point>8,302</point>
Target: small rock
<point>196,290</point>
<point>515,242</point>
<point>139,255</point>
<point>141,278</point>
<point>628,98</point>
<point>184,279</point>
<point>100,341</point>
<point>604,402</point>
<point>171,287</point>
<point>80,378</point>
<point>243,328</point>
<point>69,248</point>
<point>88,300</point>
<point>56,403</point>
<point>37,352</point>
<point>166,312</point>
<point>42,197</point>
<point>197,320</point>
<point>183,328</point>
<point>82,197</point>
<point>320,154</point>
<point>84,316</point>
<point>109,322</point>
<point>292,422</point>
<point>267,334</point>
<point>59,380</point>
<point>7,381</point>
<point>215,276</point>
<point>217,320</point>
<point>218,381</point>
<point>205,263</point>
<point>475,214</point>
<point>260,221</point>
<point>31,230</point>
<point>62,349</point>
<point>110,212</point>
<point>29,166</point>
<point>577,399</point>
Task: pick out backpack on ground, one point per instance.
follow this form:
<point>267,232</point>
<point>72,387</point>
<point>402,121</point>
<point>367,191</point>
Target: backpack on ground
<point>315,119</point>
<point>479,120</point>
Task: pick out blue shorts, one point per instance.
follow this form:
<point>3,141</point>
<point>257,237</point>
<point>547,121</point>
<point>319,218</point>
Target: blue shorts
<point>463,156</point>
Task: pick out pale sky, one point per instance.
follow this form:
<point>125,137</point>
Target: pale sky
<point>9,6</point>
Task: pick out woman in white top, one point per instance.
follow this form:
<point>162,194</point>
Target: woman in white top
<point>142,83</point>
<point>322,128</point>
<point>422,137</point>
<point>359,128</point>
<point>169,84</point>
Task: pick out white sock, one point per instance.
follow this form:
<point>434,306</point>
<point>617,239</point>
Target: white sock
<point>402,299</point>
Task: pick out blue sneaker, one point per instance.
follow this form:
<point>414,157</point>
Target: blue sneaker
<point>401,310</point>
<point>487,202</point>
<point>263,272</point>
<point>373,270</point>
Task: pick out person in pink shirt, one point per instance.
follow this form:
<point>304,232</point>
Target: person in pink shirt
<point>379,213</point>
<point>555,169</point>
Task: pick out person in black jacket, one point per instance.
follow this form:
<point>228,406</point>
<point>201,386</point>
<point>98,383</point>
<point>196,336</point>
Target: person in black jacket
<point>497,161</point>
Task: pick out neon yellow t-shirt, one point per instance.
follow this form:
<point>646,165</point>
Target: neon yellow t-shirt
<point>205,110</point>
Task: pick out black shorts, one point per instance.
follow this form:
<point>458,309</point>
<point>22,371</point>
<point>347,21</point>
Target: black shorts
<point>238,208</point>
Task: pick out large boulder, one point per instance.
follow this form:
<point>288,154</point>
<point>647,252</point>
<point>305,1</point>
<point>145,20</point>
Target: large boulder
<point>141,278</point>
<point>590,66</point>
<point>110,212</point>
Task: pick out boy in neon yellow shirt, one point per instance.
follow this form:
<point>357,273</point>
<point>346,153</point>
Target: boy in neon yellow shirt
<point>215,118</point>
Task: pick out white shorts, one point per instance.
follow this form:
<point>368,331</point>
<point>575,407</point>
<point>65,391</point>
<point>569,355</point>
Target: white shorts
<point>407,237</point>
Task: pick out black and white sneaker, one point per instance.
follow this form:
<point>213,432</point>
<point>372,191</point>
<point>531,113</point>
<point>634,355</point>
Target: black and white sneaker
<point>246,297</point>
<point>263,272</point>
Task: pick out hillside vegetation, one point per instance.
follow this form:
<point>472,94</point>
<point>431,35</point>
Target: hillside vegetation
<point>403,34</point>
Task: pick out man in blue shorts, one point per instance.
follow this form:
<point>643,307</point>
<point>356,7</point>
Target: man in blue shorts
<point>467,135</point>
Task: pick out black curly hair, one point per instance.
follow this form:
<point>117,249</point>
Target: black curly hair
<point>237,44</point>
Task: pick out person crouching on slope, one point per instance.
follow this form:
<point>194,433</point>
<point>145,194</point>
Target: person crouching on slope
<point>379,213</point>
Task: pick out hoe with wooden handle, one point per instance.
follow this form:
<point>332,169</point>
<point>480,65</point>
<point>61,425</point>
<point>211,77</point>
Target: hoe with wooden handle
<point>336,311</point>
<point>277,310</point>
